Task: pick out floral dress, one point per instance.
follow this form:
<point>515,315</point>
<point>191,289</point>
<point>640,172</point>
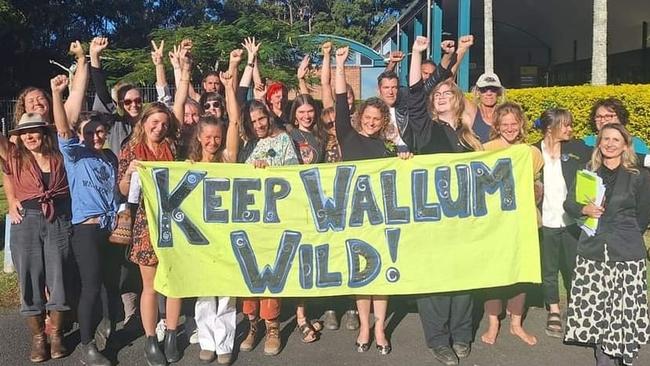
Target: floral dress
<point>276,150</point>
<point>141,251</point>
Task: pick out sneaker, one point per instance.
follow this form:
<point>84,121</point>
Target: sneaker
<point>351,320</point>
<point>161,327</point>
<point>194,337</point>
<point>206,356</point>
<point>462,349</point>
<point>224,359</point>
<point>445,355</point>
<point>330,320</point>
<point>272,344</point>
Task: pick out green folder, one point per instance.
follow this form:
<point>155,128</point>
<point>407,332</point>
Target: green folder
<point>589,188</point>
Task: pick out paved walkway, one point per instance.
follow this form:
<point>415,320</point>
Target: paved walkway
<point>337,347</point>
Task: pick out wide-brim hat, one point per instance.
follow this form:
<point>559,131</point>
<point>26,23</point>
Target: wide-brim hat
<point>30,121</point>
<point>489,79</point>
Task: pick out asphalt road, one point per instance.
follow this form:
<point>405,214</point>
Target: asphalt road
<point>334,347</point>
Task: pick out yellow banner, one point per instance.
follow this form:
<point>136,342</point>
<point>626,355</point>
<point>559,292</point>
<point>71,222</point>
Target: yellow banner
<point>434,223</point>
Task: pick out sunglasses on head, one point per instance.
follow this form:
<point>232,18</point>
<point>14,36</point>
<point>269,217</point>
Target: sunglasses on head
<point>211,104</point>
<point>128,102</point>
<point>486,89</point>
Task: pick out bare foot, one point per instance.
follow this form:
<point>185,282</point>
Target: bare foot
<point>521,333</point>
<point>490,336</point>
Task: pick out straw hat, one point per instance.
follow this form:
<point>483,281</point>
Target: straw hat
<point>30,121</point>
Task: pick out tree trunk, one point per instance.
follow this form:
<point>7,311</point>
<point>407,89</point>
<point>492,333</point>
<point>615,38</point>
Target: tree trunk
<point>599,52</point>
<point>488,36</point>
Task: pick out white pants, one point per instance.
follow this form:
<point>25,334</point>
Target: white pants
<point>216,323</point>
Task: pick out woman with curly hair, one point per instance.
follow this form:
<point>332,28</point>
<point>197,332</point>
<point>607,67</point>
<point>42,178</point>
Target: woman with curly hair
<point>364,137</point>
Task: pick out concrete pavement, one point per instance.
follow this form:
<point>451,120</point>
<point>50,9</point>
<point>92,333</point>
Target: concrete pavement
<point>336,347</point>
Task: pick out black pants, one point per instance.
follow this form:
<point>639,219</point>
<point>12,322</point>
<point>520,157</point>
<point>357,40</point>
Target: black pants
<point>112,257</point>
<point>558,252</point>
<point>89,247</point>
<point>446,317</point>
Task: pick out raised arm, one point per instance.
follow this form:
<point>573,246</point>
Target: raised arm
<point>301,73</point>
<point>186,44</point>
<point>75,101</point>
<point>419,46</point>
<point>182,89</point>
<point>174,55</point>
<point>464,43</point>
<point>394,58</point>
<point>442,72</point>
<point>162,89</point>
<point>251,50</point>
<point>325,76</point>
<point>97,46</point>
<point>58,84</point>
<point>229,81</point>
<point>343,125</point>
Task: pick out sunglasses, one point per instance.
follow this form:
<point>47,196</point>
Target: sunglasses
<point>486,89</point>
<point>128,102</point>
<point>212,104</point>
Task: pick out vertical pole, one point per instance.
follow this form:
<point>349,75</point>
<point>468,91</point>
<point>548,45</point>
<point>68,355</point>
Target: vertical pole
<point>417,27</point>
<point>464,7</point>
<point>488,37</point>
<point>436,38</point>
<point>403,65</point>
<point>644,53</point>
<point>428,20</point>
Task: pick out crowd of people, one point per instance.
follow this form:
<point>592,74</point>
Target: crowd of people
<point>68,172</point>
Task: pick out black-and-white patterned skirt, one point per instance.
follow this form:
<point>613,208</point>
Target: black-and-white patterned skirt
<point>609,306</point>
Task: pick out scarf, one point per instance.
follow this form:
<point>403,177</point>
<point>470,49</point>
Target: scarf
<point>28,181</point>
<point>165,152</point>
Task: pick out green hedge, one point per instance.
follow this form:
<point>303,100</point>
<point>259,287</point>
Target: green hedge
<point>579,99</point>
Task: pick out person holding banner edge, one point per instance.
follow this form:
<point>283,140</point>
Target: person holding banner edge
<point>509,128</point>
<point>216,317</point>
<point>445,317</point>
<point>266,144</point>
<point>364,138</point>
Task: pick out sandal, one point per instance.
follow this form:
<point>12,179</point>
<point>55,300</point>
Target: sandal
<point>310,330</point>
<point>554,325</point>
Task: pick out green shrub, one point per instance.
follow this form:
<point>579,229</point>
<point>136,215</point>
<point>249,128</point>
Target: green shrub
<point>579,99</point>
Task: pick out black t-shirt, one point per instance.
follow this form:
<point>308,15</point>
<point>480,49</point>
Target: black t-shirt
<point>355,146</point>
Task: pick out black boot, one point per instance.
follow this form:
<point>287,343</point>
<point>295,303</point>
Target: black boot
<point>171,346</point>
<point>152,352</point>
<point>90,356</point>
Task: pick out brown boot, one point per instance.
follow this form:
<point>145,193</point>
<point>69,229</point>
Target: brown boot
<point>39,351</point>
<point>249,342</point>
<point>272,343</point>
<point>57,345</point>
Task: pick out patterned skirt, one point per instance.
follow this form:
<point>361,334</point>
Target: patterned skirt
<point>609,307</point>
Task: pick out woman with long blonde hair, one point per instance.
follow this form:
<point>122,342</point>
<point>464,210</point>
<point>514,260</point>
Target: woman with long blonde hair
<point>152,140</point>
<point>608,307</point>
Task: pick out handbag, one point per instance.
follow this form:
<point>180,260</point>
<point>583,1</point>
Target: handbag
<point>123,231</point>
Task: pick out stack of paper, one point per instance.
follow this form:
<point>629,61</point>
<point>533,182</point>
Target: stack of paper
<point>589,189</point>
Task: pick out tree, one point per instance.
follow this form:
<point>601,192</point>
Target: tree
<point>599,52</point>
